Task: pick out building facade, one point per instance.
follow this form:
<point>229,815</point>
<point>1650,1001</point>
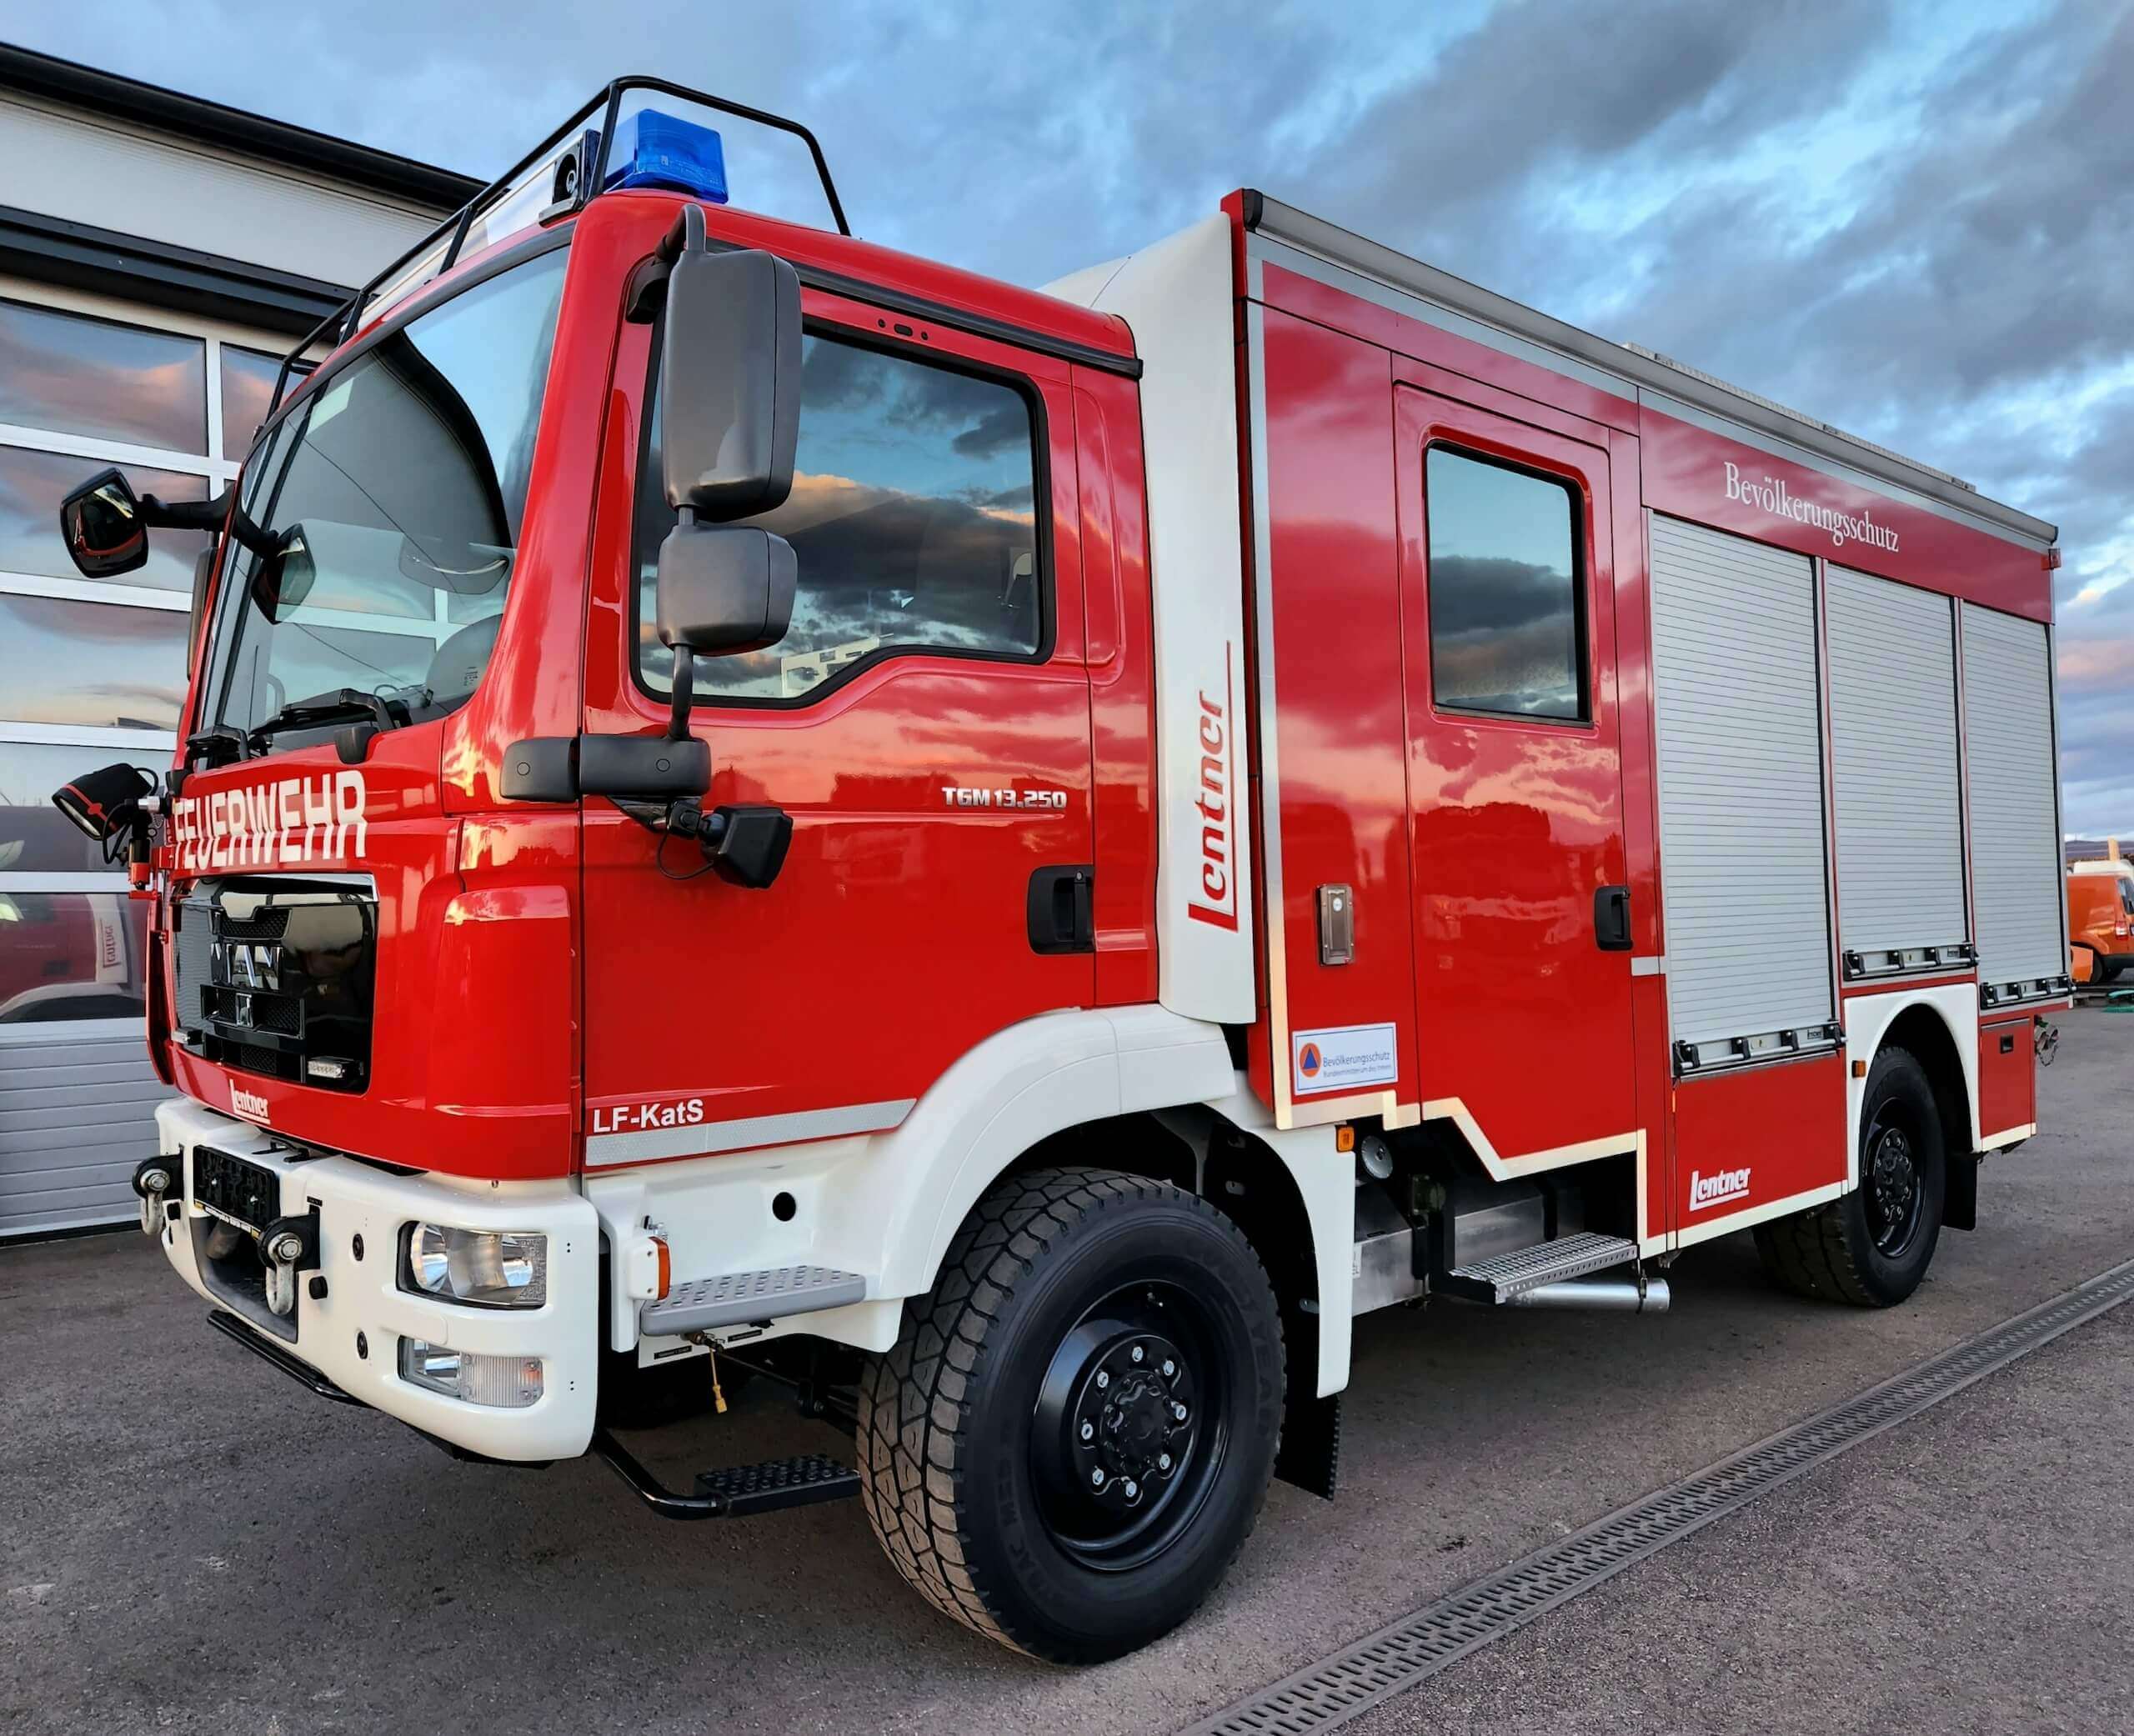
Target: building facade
<point>158,256</point>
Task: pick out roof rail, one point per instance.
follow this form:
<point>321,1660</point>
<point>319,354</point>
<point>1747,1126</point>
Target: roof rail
<point>580,170</point>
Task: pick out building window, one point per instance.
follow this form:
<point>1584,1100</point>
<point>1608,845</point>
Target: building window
<point>91,672</point>
<point>1507,626</point>
<point>914,515</point>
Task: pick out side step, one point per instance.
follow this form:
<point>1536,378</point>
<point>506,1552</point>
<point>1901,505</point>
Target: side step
<point>1506,1277</point>
<point>734,1492</point>
<point>737,1298</point>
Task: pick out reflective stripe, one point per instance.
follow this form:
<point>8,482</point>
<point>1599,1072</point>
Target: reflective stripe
<point>603,1150</point>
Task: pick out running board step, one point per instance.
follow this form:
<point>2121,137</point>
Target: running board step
<point>1506,1277</point>
<point>737,1298</point>
<point>734,1492</point>
<point>776,1483</point>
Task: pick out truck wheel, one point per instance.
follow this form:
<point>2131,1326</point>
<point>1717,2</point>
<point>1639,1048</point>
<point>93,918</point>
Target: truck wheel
<point>1872,1246</point>
<point>1071,1438</point>
<point>2109,970</point>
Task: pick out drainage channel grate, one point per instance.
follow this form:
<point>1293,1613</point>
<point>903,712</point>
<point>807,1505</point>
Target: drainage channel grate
<point>1400,1655</point>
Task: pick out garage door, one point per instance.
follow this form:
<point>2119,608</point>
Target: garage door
<point>76,1113</point>
<point>1897,786</point>
<point>1742,840</point>
<point>2014,810</point>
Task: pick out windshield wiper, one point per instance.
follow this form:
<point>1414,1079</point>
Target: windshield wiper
<point>321,711</point>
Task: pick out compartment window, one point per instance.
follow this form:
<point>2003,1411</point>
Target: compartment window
<point>1506,594</point>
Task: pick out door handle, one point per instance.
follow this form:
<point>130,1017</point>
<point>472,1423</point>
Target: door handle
<point>1611,918</point>
<point>1061,909</point>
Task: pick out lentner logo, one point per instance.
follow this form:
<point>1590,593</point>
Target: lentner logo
<point>1711,1190</point>
<point>1214,900</point>
<point>250,1104</point>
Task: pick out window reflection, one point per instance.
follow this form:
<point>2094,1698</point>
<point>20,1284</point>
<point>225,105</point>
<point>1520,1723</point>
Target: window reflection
<point>70,955</point>
<point>97,377</point>
<point>399,485</point>
<point>32,485</point>
<point>1505,628</point>
<point>247,388</point>
<point>913,515</point>
<point>91,663</point>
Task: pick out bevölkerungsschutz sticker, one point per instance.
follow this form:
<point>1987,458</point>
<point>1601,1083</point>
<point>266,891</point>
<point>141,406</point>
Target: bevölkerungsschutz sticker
<point>1343,1058</point>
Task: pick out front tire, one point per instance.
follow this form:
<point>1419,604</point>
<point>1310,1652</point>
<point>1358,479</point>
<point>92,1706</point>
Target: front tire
<point>1872,1247</point>
<point>1071,1438</point>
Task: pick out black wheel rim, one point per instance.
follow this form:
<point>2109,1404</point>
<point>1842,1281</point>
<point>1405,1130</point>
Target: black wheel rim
<point>1890,1184</point>
<point>1130,1427</point>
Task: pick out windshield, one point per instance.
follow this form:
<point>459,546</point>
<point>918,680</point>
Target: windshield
<point>389,504</point>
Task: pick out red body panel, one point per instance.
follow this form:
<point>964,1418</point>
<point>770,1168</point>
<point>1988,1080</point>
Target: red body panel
<point>1122,684</point>
<point>2008,1077</point>
<point>1748,1139</point>
<point>1344,810</point>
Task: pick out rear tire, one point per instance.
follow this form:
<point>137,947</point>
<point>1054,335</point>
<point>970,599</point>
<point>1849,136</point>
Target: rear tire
<point>2109,970</point>
<point>1025,1468</point>
<point>1872,1247</point>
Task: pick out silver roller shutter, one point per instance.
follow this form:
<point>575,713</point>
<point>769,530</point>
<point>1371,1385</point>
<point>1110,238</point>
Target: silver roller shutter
<point>1898,789</point>
<point>77,1113</point>
<point>2015,812</point>
<point>1742,842</point>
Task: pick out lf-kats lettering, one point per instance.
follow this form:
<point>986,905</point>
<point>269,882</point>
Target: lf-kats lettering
<point>1214,900</point>
<point>286,819</point>
<point>637,1117</point>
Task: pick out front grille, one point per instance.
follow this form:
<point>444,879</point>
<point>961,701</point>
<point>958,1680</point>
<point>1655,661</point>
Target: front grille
<point>261,922</point>
<point>270,972</point>
<point>193,951</point>
<point>280,1015</point>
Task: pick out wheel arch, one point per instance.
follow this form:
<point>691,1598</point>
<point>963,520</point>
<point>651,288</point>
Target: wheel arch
<point>1922,1031</point>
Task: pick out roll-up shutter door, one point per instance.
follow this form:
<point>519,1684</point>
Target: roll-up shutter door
<point>1899,793</point>
<point>2015,812</point>
<point>1742,841</point>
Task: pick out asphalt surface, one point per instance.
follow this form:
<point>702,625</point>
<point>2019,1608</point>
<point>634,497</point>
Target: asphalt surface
<point>190,1542</point>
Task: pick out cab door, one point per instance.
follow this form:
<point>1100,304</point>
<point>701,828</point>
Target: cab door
<point>1516,784</point>
<point>926,721</point>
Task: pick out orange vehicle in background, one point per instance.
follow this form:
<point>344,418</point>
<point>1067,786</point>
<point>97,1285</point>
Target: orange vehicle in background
<point>2101,918</point>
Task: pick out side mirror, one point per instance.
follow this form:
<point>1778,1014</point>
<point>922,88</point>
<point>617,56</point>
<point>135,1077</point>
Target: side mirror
<point>723,588</point>
<point>729,381</point>
<point>105,530</point>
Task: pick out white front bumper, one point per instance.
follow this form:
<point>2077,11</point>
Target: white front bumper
<point>352,1333</point>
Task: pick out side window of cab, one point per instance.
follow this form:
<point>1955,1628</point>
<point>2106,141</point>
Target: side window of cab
<point>914,515</point>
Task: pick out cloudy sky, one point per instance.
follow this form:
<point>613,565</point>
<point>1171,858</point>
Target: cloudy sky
<point>1914,219</point>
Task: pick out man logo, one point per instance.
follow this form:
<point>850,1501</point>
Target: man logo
<point>1307,1060</point>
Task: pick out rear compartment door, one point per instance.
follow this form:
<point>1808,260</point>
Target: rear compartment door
<point>1516,784</point>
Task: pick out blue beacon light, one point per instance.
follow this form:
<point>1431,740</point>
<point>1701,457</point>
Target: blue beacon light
<point>654,149</point>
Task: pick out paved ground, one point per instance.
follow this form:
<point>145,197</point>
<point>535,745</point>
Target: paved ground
<point>1973,1571</point>
<point>189,1542</point>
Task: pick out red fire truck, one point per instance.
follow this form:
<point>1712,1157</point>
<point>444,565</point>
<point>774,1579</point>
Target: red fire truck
<point>1013,860</point>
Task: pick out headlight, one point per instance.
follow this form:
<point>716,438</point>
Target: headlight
<point>509,1383</point>
<point>485,1269</point>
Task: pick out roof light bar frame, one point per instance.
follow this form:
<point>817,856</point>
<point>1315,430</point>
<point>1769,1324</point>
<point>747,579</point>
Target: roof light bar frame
<point>607,105</point>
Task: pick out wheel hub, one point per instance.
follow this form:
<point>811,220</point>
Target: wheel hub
<point>1132,1425</point>
<point>1893,1188</point>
